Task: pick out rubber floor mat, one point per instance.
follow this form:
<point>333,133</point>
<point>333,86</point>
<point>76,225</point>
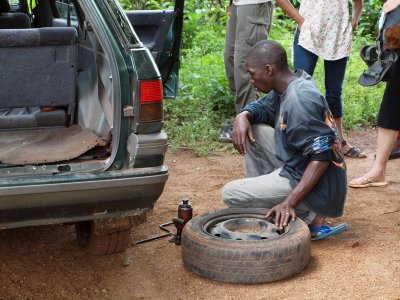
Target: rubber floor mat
<point>22,147</point>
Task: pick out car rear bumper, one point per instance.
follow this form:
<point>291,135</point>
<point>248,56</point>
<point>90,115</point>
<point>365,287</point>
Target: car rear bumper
<point>79,197</point>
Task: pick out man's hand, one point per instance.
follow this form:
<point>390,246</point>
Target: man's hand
<point>283,213</point>
<point>241,131</point>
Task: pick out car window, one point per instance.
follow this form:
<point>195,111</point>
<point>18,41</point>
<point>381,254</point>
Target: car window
<point>122,23</point>
<point>62,9</point>
<point>14,4</point>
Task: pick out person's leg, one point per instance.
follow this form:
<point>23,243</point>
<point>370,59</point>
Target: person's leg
<point>385,142</point>
<point>225,134</point>
<point>229,49</point>
<point>263,187</point>
<point>389,125</point>
<point>268,190</point>
<point>334,76</point>
<point>260,158</point>
<point>303,59</point>
<point>253,24</point>
<point>264,191</point>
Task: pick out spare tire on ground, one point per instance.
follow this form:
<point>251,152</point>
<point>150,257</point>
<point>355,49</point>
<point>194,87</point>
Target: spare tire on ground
<point>239,245</point>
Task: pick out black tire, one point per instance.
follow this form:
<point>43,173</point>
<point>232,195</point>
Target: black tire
<point>101,244</point>
<point>241,261</point>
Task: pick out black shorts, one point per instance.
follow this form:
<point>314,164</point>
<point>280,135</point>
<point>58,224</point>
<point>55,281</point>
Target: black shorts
<point>389,112</point>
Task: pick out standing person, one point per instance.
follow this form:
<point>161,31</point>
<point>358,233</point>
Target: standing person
<point>324,31</point>
<point>293,157</point>
<point>388,119</point>
<point>249,21</point>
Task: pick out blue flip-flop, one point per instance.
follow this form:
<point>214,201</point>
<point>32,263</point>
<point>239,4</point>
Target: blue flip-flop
<point>319,233</point>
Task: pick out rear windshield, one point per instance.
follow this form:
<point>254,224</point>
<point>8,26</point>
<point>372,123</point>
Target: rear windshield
<point>122,23</point>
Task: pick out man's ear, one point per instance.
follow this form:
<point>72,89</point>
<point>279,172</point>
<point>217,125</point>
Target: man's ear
<point>269,69</point>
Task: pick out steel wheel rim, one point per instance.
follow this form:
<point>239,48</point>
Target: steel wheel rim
<point>243,227</point>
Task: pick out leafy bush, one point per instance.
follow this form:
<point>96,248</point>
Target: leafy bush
<point>368,25</point>
<point>204,101</point>
<point>210,18</point>
<point>143,4</point>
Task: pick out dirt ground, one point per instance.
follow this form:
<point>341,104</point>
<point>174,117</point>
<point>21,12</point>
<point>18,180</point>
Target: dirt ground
<point>361,263</point>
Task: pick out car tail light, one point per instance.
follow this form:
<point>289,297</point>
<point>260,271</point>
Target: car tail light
<point>151,100</point>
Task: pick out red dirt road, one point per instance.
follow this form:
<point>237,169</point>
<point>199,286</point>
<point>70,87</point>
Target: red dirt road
<point>361,263</point>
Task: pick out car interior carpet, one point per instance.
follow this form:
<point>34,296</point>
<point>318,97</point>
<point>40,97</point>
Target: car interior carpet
<point>38,146</point>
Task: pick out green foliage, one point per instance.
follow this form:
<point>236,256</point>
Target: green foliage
<point>368,24</point>
<point>204,101</point>
<point>128,4</point>
<point>296,3</point>
<point>210,17</point>
<point>146,4</point>
<point>193,120</point>
<point>281,23</point>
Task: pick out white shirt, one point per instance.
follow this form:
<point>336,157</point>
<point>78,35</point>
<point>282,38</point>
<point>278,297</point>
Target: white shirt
<point>246,2</point>
<point>326,30</point>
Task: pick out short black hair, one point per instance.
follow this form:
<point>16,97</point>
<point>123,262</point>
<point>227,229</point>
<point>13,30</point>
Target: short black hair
<point>268,52</point>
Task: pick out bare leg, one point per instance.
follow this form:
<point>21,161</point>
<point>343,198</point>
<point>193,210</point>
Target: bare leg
<point>346,146</point>
<point>385,142</point>
<point>339,127</point>
<point>318,221</point>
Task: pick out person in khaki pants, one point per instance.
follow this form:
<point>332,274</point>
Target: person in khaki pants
<point>249,22</point>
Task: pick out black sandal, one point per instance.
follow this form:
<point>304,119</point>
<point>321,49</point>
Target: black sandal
<point>378,70</point>
<point>353,152</point>
<point>369,54</point>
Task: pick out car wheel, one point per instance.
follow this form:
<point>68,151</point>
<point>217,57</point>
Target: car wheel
<point>100,243</point>
<point>239,245</point>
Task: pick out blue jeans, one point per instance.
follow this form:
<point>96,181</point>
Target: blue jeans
<point>334,74</point>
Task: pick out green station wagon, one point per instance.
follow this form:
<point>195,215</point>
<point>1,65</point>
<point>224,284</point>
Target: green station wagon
<point>82,85</point>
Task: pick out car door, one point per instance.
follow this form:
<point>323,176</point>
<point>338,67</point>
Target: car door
<point>160,31</point>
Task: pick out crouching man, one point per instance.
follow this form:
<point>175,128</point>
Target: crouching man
<point>292,152</point>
